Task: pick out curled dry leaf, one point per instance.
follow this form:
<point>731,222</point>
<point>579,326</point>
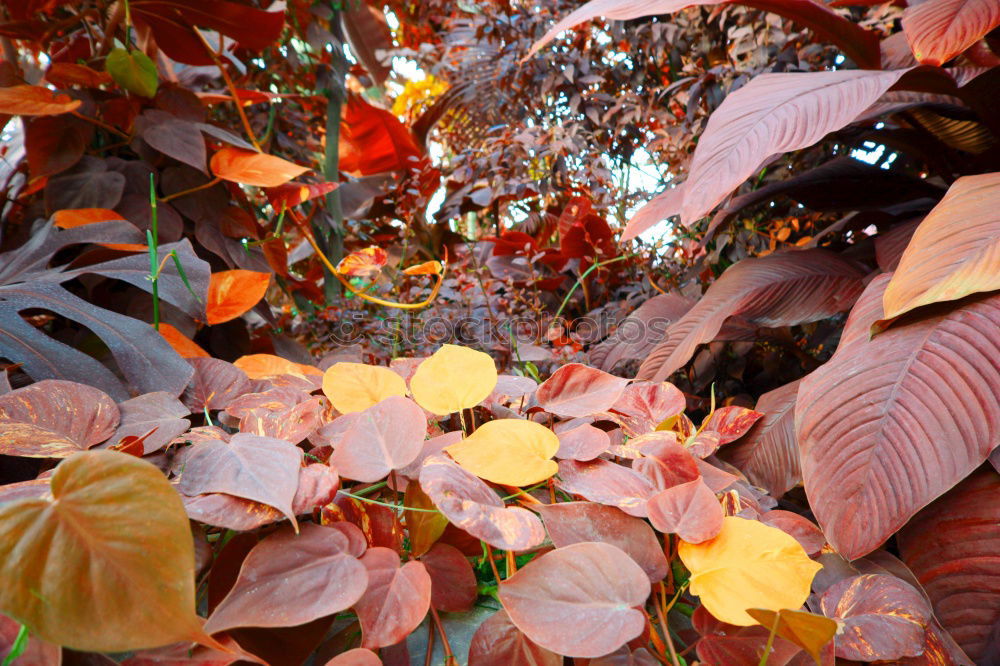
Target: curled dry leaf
<point>396,600</point>
<point>452,379</point>
<point>511,452</point>
<point>95,525</point>
<point>574,522</point>
<point>689,510</point>
<point>257,468</point>
<point>252,168</point>
<point>289,579</point>
<point>498,642</point>
<point>366,262</point>
<point>883,617</point>
<point>578,390</point>
<point>233,293</point>
<point>354,387</point>
<point>578,601</point>
<point>382,438</point>
<point>54,418</point>
<point>605,482</point>
<point>472,506</point>
<point>748,565</point>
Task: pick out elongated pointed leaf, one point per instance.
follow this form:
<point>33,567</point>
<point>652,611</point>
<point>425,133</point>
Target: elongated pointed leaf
<point>252,168</point>
<point>919,412</point>
<point>35,101</point>
<point>777,290</point>
<point>640,331</point>
<point>578,601</point>
<point>954,252</point>
<point>939,30</point>
<point>290,579</point>
<point>769,453</point>
<point>953,548</point>
<point>88,552</point>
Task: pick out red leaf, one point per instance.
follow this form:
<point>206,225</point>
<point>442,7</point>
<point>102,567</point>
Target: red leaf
<point>55,419</point>
<point>664,460</point>
<point>65,74</point>
<point>574,522</point>
<point>576,390</point>
<point>883,617</point>
<point>472,506</point>
<point>372,140</point>
<point>290,579</point>
<point>257,468</point>
<point>689,510</point>
<point>582,442</point>
<point>396,601</point>
<point>804,530</point>
<point>368,32</point>
<point>252,168</point>
<point>35,101</point>
<point>769,454</point>
<point>777,290</point>
<point>497,641</point>
<point>645,405</point>
<point>36,653</point>
<point>636,336</point>
<point>578,601</point>
<point>356,657</point>
<point>939,30</point>
<point>54,144</point>
<point>363,263</point>
<point>214,385</point>
<point>953,547</point>
<point>730,423</point>
<point>384,437</point>
<point>173,24</point>
<point>160,411</point>
<point>292,194</point>
<point>604,482</point>
<point>233,293</point>
<point>860,453</point>
<point>453,582</point>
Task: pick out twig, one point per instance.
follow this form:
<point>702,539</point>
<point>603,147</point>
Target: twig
<point>449,656</point>
<point>493,564</point>
<point>192,190</point>
<point>232,89</point>
<point>102,125</point>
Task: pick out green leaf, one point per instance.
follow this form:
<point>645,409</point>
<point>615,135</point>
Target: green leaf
<point>133,71</point>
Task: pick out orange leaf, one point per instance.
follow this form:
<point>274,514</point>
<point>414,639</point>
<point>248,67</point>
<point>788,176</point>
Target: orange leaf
<point>363,263</point>
<point>232,293</point>
<point>426,268</point>
<point>35,101</point>
<point>183,345</point>
<point>292,194</point>
<point>259,366</point>
<point>77,217</point>
<point>372,140</point>
<point>250,168</point>
<point>65,74</point>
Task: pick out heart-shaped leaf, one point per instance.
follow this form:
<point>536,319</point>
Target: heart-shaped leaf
<point>604,482</point>
<point>748,565</point>
<point>112,542</point>
<point>689,510</point>
<point>578,601</point>
<point>233,293</point>
<point>582,442</point>
<point>382,438</point>
<point>424,523</point>
<point>354,387</point>
<point>452,379</point>
<point>577,390</point>
<point>289,579</point>
<point>134,71</point>
<point>55,419</point>
<point>498,641</point>
<point>511,452</point>
<point>396,601</point>
<point>453,582</point>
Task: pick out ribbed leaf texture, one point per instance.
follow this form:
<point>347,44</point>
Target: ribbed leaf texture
<point>889,424</point>
<point>938,30</point>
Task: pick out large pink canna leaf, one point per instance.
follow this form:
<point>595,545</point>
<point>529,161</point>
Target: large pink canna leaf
<point>638,333</point>
<point>953,548</point>
<point>575,522</point>
<point>769,454</point>
<point>955,251</point>
<point>289,579</point>
<point>939,30</point>
<point>55,419</point>
<point>577,390</point>
<point>777,290</point>
<point>889,424</point>
<point>578,601</point>
<point>861,45</point>
<point>396,601</point>
<point>773,114</point>
<point>256,468</point>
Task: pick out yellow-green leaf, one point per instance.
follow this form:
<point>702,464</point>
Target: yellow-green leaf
<point>452,379</point>
<point>133,71</point>
<point>748,565</point>
<point>511,452</point>
<point>809,631</point>
<point>354,387</point>
<point>104,564</point>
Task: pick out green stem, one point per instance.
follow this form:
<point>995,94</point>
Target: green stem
<point>770,641</point>
<point>152,239</point>
<point>391,506</point>
<point>579,281</point>
<point>18,647</point>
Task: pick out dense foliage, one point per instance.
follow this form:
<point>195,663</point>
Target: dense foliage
<point>349,333</point>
